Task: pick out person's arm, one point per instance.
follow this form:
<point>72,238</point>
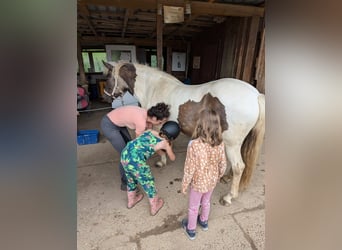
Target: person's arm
<point>189,167</point>
<point>166,147</point>
<point>169,151</point>
<point>223,161</point>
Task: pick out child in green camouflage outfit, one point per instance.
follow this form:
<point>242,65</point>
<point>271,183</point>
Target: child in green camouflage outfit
<point>134,157</point>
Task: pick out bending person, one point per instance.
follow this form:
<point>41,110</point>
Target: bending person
<point>114,126</point>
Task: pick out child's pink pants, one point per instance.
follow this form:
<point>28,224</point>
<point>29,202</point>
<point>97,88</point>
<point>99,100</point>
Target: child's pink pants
<point>195,200</point>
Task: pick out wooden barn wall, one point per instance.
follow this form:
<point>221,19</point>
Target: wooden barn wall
<point>260,65</point>
<point>180,75</point>
<point>232,49</point>
<point>208,47</point>
<point>231,41</point>
<point>247,51</point>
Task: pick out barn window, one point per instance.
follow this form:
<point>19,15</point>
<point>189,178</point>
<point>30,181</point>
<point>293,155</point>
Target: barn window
<point>86,61</point>
<point>92,60</point>
<point>97,59</point>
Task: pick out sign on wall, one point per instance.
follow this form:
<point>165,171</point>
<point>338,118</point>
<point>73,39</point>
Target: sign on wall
<point>117,53</point>
<point>196,63</point>
<point>173,14</point>
<point>178,61</point>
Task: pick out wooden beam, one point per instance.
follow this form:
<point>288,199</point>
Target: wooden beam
<point>134,4</point>
<point>91,40</point>
<point>83,78</point>
<point>219,9</point>
<point>197,8</point>
<point>85,14</point>
<point>127,15</point>
<point>160,36</point>
<point>138,15</point>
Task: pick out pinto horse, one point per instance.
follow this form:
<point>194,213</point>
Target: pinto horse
<point>240,105</point>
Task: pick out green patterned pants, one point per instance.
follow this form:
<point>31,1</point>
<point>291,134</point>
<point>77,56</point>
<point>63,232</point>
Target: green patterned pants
<point>138,172</point>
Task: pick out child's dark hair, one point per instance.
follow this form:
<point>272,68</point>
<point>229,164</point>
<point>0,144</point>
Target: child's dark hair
<point>160,111</point>
<point>208,127</point>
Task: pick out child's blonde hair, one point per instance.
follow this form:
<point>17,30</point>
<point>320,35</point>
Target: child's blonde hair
<point>208,128</point>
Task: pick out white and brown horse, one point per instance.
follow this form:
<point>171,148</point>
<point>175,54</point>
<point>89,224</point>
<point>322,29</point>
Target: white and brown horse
<point>241,107</point>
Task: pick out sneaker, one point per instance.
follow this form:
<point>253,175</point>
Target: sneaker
<point>190,233</point>
<point>203,224</point>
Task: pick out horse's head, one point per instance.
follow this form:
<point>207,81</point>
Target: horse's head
<point>120,79</point>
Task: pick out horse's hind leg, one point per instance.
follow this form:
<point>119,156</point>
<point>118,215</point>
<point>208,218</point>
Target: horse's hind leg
<point>234,156</point>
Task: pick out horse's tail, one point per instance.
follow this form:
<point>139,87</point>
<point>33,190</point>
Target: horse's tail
<point>252,144</point>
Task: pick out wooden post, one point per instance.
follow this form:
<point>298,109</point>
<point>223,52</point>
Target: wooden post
<point>188,52</point>
<point>250,53</point>
<point>160,36</point>
<point>169,60</point>
<point>83,78</point>
<point>260,67</point>
<point>240,46</point>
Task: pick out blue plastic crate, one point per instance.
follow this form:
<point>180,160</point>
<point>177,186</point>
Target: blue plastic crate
<point>87,137</point>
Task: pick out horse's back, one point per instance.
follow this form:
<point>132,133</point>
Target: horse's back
<point>227,87</point>
<point>239,97</point>
<point>233,88</point>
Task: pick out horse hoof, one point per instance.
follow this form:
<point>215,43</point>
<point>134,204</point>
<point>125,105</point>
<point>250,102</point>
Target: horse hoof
<point>223,202</point>
<point>225,179</point>
<point>159,164</point>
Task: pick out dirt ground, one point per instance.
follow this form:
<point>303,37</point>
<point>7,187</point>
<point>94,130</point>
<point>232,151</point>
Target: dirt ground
<point>105,223</point>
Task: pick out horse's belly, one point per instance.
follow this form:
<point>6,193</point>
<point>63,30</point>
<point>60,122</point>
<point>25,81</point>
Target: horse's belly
<point>188,113</point>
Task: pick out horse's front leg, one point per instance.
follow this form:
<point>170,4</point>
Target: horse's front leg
<point>162,161</point>
<point>227,177</point>
<point>234,156</point>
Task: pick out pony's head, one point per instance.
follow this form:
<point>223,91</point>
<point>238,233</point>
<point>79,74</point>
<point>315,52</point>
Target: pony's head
<point>120,79</point>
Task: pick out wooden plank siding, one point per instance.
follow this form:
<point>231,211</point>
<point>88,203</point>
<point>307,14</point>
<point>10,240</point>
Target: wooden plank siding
<point>249,64</point>
<point>260,65</point>
<point>241,48</point>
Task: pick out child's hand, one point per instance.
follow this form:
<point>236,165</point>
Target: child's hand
<point>184,191</point>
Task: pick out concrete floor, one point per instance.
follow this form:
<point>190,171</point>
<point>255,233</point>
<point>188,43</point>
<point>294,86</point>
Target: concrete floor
<point>104,222</point>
